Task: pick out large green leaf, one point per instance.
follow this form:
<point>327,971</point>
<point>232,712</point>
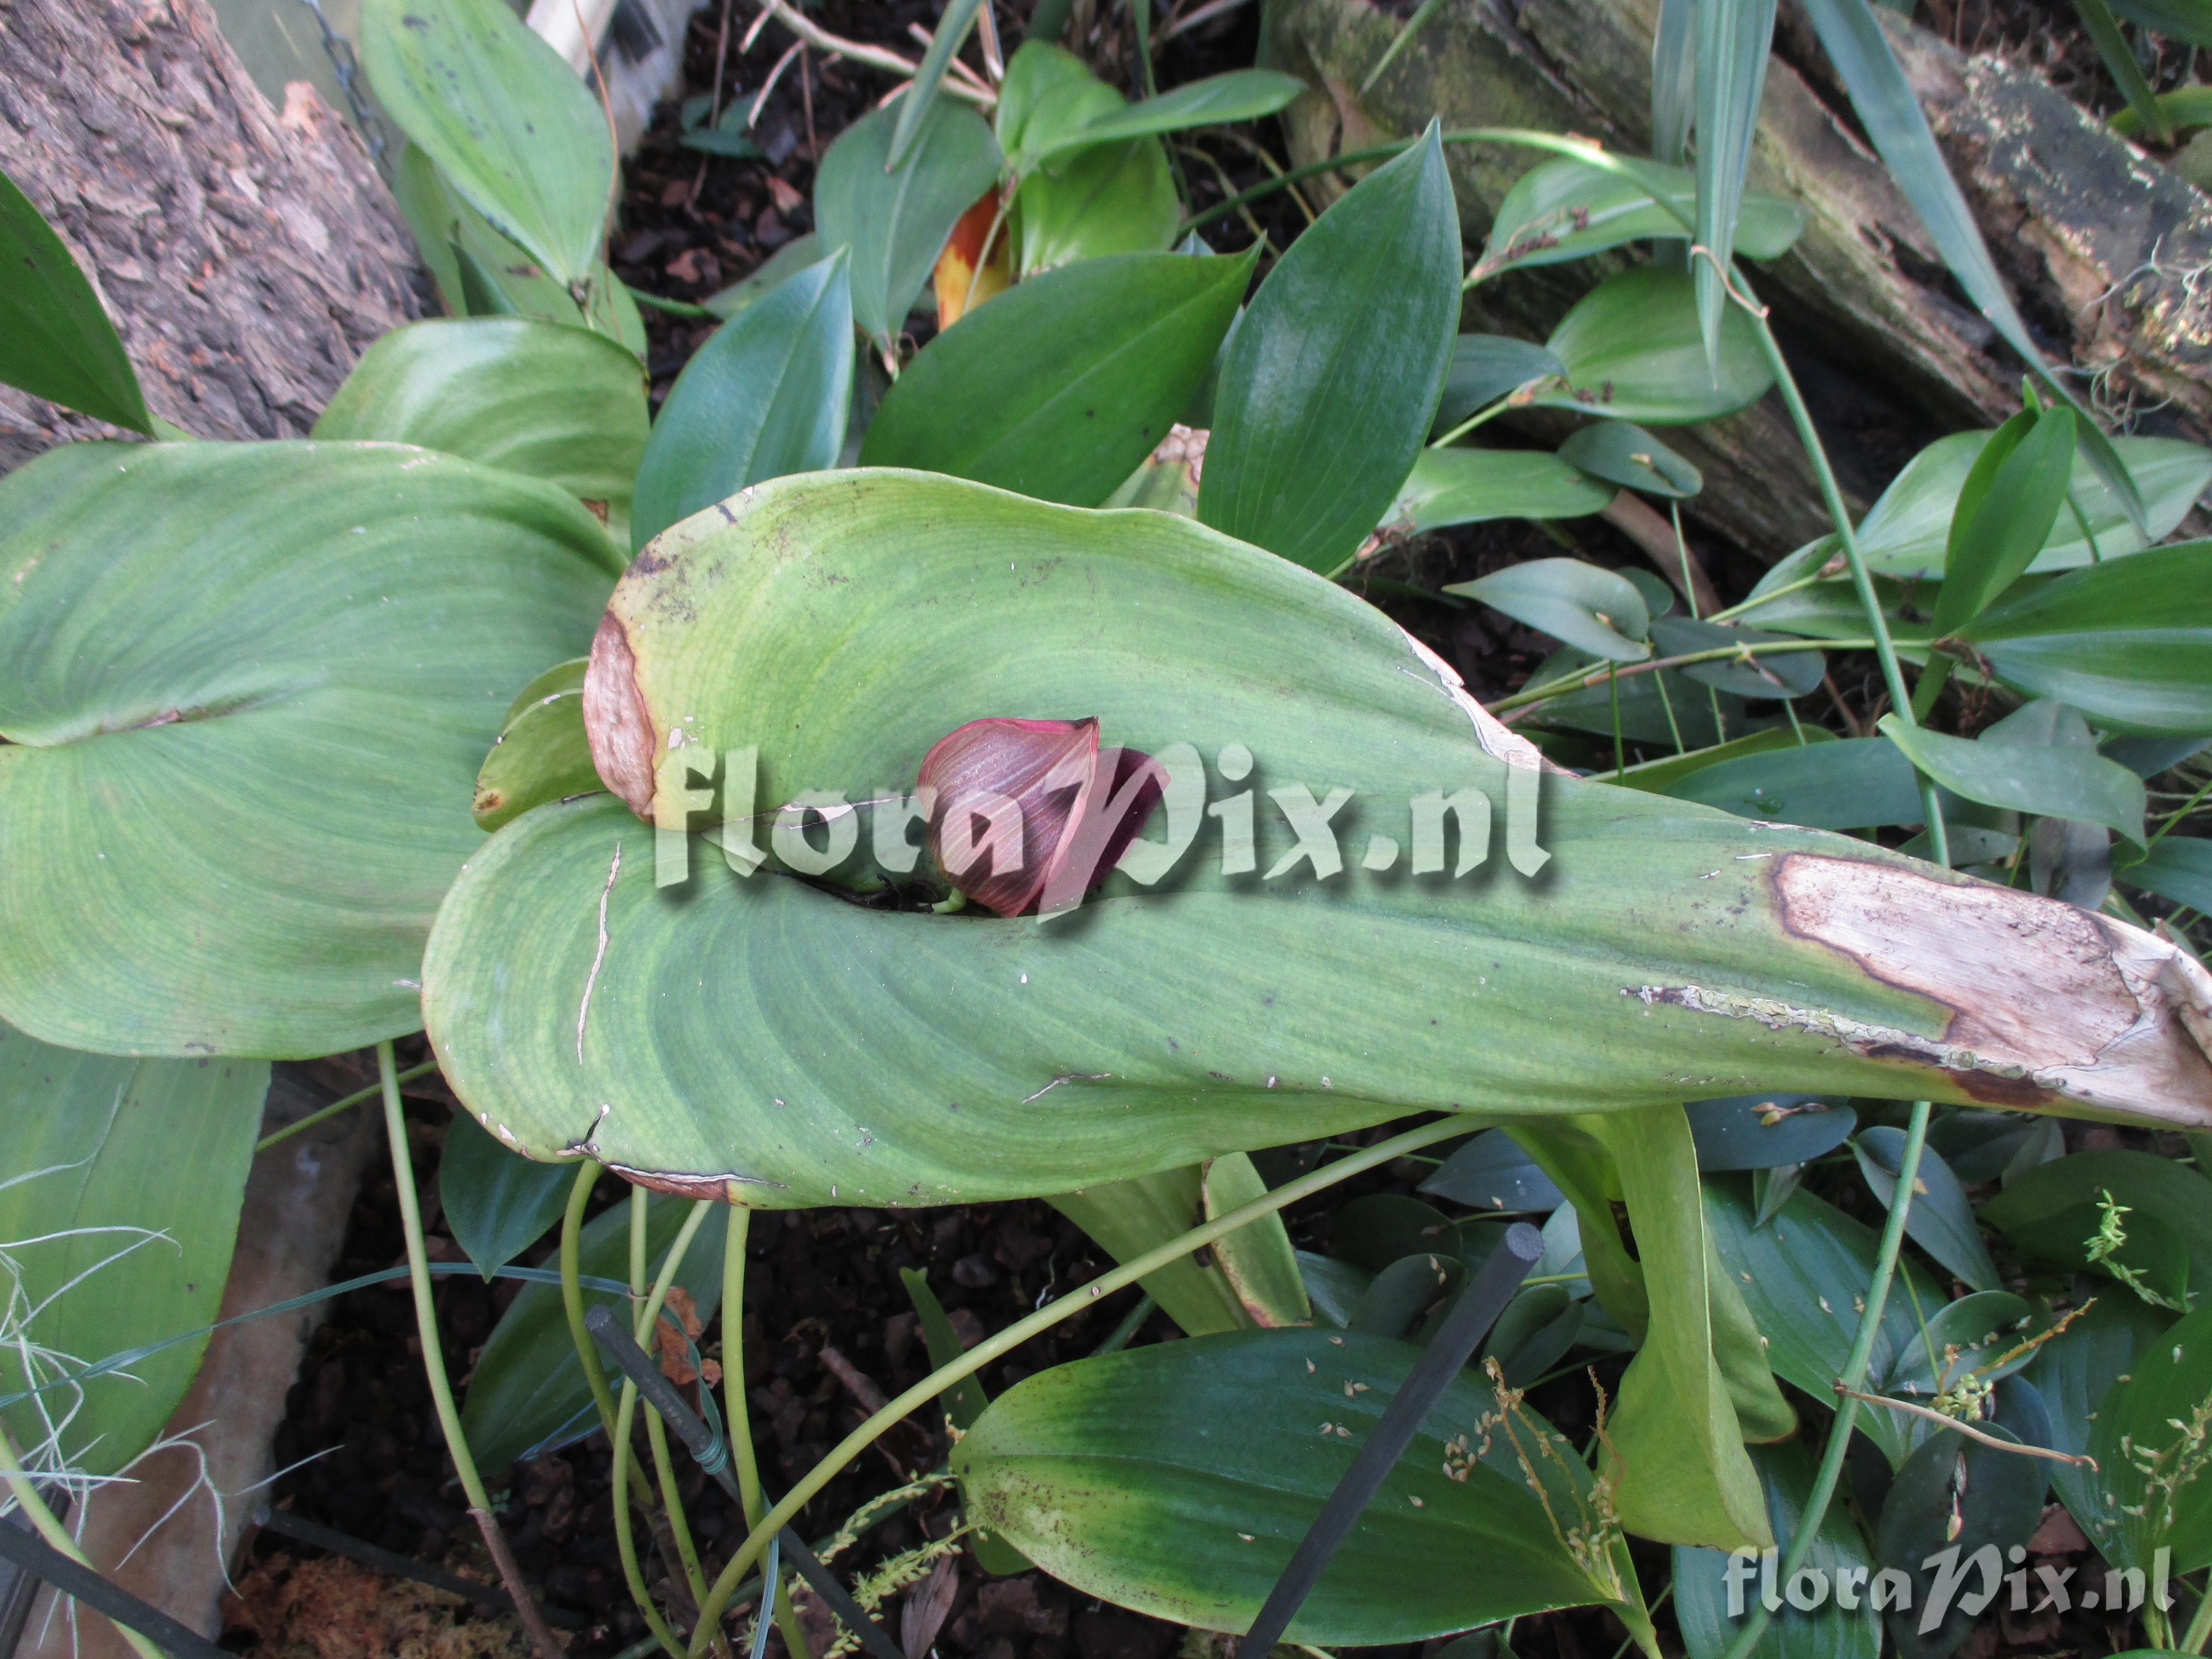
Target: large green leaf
<point>2152,1187</point>
<point>120,1182</point>
<point>1941,1221</point>
<point>1148,1478</point>
<point>1633,351</point>
<point>249,687</point>
<point>56,339</point>
<point>759,1031</point>
<point>1854,784</point>
<point>502,115</point>
<point>892,220</point>
<point>1089,203</point>
<point>2061,782</point>
<point>1062,385</point>
<point>2074,1372</point>
<point>767,395</point>
<point>1566,208</point>
<point>1336,368</point>
<point>2128,641</point>
<point>528,1388</point>
<point>1466,486</point>
<point>563,404</point>
<point>2007,510</point>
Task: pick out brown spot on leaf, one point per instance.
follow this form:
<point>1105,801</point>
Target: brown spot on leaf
<point>617,724</point>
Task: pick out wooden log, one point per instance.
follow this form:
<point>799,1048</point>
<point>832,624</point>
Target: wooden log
<point>247,256</point>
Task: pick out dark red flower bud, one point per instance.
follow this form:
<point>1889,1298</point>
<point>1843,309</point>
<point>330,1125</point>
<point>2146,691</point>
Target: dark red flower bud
<point>1023,805</point>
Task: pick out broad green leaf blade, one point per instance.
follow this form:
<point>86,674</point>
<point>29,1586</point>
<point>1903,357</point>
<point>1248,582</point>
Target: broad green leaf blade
<point>500,112</point>
<point>2073,1373</point>
<point>904,1045</point>
<point>1256,1259</point>
<point>1579,604</point>
<point>2064,783</point>
<point>1889,110</point>
<point>1048,96</point>
<point>240,748</point>
<point>1673,83</point>
<point>1060,387</point>
<point>1623,454</point>
<point>1238,96</point>
<point>921,101</point>
<point>2005,516</point>
<point>1734,40</point>
<point>1486,368</point>
<point>1128,1217</point>
<point>1492,1172</point>
<point>56,339</point>
<point>1968,1338</point>
<point>1336,368</point>
<point>1147,1479</point>
<point>1467,486</point>
<point>1762,1132</point>
<point>767,395</point>
<point>2152,1188</point>
<point>1710,1618</point>
<point>528,1389</point>
<point>2178,868</point>
<point>497,1205</point>
<point>793,257</point>
<point>541,753</point>
<point>892,216</point>
<point>120,1183</point>
<point>1941,1221</point>
<point>1633,351</point>
<point>1101,200</point>
<point>563,404</point>
<point>1566,208</point>
<point>1804,1275</point>
<point>2128,643</point>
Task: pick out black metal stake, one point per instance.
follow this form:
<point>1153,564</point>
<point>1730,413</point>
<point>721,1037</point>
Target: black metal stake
<point>1466,1324</point>
<point>699,1440</point>
<point>37,1557</point>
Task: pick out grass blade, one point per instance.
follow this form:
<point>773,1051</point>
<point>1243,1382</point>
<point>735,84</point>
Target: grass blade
<point>1674,83</point>
<point>1852,37</point>
<point>951,29</point>
<point>2112,46</point>
<point>1734,40</point>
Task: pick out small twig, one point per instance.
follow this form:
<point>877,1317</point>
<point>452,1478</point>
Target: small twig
<point>987,31</point>
<point>510,1572</point>
<point>1967,1429</point>
<point>806,106</point>
<point>857,1383</point>
<point>836,46</point>
<point>752,115</point>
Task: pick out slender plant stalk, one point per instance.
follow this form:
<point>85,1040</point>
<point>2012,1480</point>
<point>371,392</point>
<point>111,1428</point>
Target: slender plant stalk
<point>51,1528</point>
<point>1044,1319</point>
<point>626,1539</point>
<point>338,1106</point>
<point>2200,1624</point>
<point>572,1291</point>
<point>739,1417</point>
<point>1588,679</point>
<point>664,1467</point>
<point>1758,599</point>
<point>433,1364</point>
<point>2179,813</point>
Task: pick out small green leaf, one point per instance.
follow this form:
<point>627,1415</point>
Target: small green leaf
<point>56,340</point>
<point>497,1204</point>
<point>921,101</point>
<point>1487,367</point>
<point>563,404</point>
<point>541,754</point>
<point>2178,868</point>
<point>1566,208</point>
<point>1409,1292</point>
<point>511,126</point>
<point>1961,1340</point>
<point>1378,1229</point>
<point>1256,1259</point>
<point>1467,486</point>
<point>1237,95</point>
<point>528,1388</point>
<point>1062,385</point>
<point>1941,1221</point>
<point>1147,1479</point>
<point>793,257</point>
<point>1336,366</point>
<point>2128,641</point>
<point>1734,39</point>
<point>767,395</point>
<point>1100,200</point>
<point>1580,604</point>
<point>1492,1172</point>
<point>120,1183</point>
<point>1049,95</point>
<point>892,220</point>
<point>1623,454</point>
<point>1633,351</point>
<point>2007,510</point>
<point>2062,783</point>
<point>1761,1132</point>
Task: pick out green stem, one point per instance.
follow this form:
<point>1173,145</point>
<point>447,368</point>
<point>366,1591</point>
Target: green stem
<point>2200,1625</point>
<point>338,1106</point>
<point>656,1431</point>
<point>51,1528</point>
<point>662,303</point>
<point>738,1412</point>
<point>1045,1318</point>
<point>1588,679</point>
<point>572,1293</point>
<point>1478,418</point>
<point>625,1537</point>
<point>1758,599</point>
<point>2181,812</point>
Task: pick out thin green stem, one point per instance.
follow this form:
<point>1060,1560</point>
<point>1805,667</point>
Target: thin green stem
<point>1619,751</point>
<point>1478,418</point>
<point>656,1431</point>
<point>1044,1319</point>
<point>626,1540</point>
<point>2200,1624</point>
<point>1758,599</point>
<point>572,1291</point>
<point>336,1106</point>
<point>51,1528</point>
<point>1589,679</point>
<point>2179,813</point>
<point>735,1410</point>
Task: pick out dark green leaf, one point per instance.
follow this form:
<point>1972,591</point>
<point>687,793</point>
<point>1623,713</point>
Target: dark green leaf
<point>2179,20</point>
<point>1490,1172</point>
<point>2150,1187</point>
<point>56,340</point>
<point>794,255</point>
<point>120,1183</point>
<point>2066,783</point>
<point>1336,368</point>
<point>1734,37</point>
<point>1961,1339</point>
<point>1941,1221</point>
<point>2074,1372</point>
<point>1381,1228</point>
<point>1566,208</point>
<point>1062,385</point>
<point>1633,351</point>
<point>1237,95</point>
<point>497,1204</point>
<point>1580,604</point>
<point>1660,776</point>
<point>1624,453</point>
<point>2006,509</point>
<point>893,220</point>
<point>722,141</point>
<point>528,1389</point>
<point>1334,1287</point>
<point>2104,30</point>
<point>767,395</point>
<point>563,404</point>
<point>1759,1131</point>
<point>2178,868</point>
<point>1407,1293</point>
<point>1782,674</point>
<point>510,124</point>
<point>921,101</point>
<point>1487,367</point>
<point>2128,641</point>
<point>2149,1444</point>
<point>1854,784</point>
<point>1146,1478</point>
<point>1467,486</point>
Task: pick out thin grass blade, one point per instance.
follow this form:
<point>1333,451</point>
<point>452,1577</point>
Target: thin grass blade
<point>1734,39</point>
<point>913,109</point>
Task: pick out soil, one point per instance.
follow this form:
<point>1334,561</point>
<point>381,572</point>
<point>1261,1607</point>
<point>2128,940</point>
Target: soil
<point>827,1324</point>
